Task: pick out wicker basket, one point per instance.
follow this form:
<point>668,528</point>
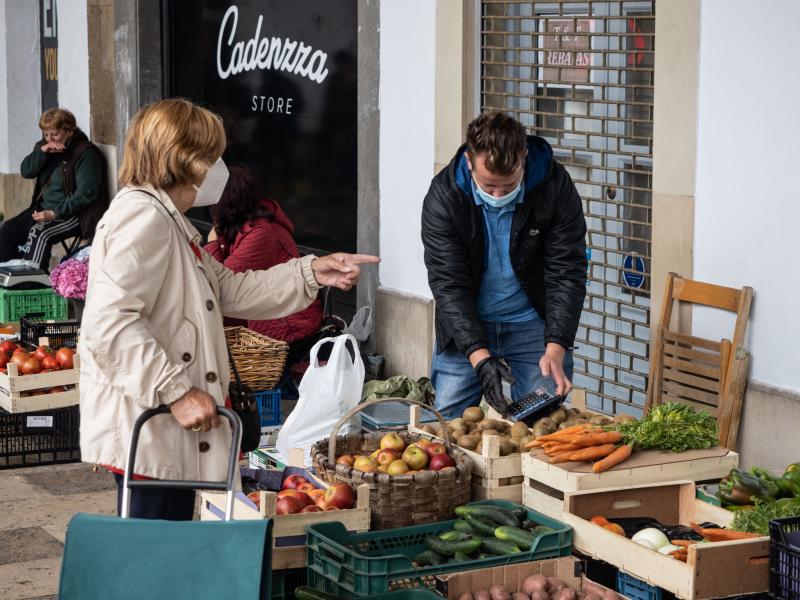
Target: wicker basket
<point>259,359</point>
<point>396,500</point>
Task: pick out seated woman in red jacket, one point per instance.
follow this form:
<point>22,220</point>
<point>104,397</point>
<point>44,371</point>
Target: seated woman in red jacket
<point>254,233</point>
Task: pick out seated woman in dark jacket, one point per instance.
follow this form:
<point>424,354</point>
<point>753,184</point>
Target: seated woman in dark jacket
<point>254,233</point>
<point>70,194</point>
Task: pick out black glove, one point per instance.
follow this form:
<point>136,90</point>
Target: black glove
<point>492,371</point>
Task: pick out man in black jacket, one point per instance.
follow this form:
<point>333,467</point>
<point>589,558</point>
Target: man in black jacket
<point>505,249</point>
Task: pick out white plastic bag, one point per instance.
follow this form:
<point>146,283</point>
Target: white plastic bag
<point>327,392</point>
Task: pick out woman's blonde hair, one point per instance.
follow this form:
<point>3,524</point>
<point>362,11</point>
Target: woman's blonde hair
<point>171,142</point>
<point>57,118</point>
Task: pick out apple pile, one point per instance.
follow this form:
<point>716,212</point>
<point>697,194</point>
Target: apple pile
<point>298,495</point>
<point>42,360</point>
<point>395,458</point>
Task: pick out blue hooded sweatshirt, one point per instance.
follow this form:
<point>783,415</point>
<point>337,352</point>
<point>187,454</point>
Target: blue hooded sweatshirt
<point>501,298</point>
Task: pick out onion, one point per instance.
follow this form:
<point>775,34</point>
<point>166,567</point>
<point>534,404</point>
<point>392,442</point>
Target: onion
<point>654,537</point>
<point>668,548</point>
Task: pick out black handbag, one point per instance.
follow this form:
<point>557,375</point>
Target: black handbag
<point>244,404</point>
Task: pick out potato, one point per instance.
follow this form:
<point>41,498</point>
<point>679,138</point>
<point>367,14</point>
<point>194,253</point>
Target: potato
<point>525,440</point>
<point>466,596</point>
<point>534,584</point>
<point>519,430</point>
<point>573,411</point>
<point>575,421</point>
<point>554,584</point>
<point>469,442</point>
<point>505,446</point>
<point>540,430</point>
<point>490,424</point>
<point>600,420</point>
<point>498,592</point>
<point>624,419</point>
<point>548,423</point>
<point>514,444</point>
<point>558,416</point>
<point>458,423</point>
<point>489,432</point>
<point>479,447</point>
<point>482,595</point>
<point>566,593</point>
<point>471,427</point>
<point>520,596</point>
<point>428,429</point>
<point>473,413</point>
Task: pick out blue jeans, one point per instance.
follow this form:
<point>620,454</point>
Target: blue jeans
<point>520,344</point>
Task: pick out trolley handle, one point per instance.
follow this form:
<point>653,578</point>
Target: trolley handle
<point>226,486</point>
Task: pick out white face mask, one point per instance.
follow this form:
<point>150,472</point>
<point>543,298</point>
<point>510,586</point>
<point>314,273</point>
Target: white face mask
<point>212,186</point>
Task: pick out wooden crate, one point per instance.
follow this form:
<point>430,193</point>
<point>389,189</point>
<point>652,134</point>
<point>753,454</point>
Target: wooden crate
<point>713,570</point>
<point>212,507</point>
<point>567,569</point>
<point>489,469</point>
<point>34,387</point>
<point>546,484</point>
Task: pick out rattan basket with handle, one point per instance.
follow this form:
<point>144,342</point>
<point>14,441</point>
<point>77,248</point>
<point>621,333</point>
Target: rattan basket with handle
<point>396,500</point>
<point>259,359</point>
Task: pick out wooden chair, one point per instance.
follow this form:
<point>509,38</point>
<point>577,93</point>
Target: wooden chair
<point>706,374</point>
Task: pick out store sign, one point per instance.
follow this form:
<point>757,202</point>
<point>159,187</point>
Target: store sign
<point>282,74</point>
<point>48,36</point>
<point>566,47</point>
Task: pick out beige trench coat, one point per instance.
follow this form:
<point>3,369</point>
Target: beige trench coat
<point>152,329</point>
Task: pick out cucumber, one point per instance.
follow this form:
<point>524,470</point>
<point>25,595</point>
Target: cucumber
<point>520,537</point>
<point>541,530</point>
<point>462,525</point>
<point>450,548</point>
<point>495,546</point>
<point>499,515</point>
<point>454,536</point>
<point>461,557</point>
<point>305,592</point>
<point>481,526</point>
<point>427,558</point>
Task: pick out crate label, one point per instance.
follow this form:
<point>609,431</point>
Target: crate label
<point>39,421</point>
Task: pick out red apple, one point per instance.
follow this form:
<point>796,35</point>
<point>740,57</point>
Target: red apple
<point>398,467</point>
<point>435,448</point>
<point>8,346</point>
<point>311,508</point>
<point>255,498</point>
<point>306,487</point>
<point>346,459</point>
<point>289,505</point>
<point>423,443</point>
<point>441,461</point>
<point>50,363</point>
<point>416,458</point>
<point>387,456</point>
<point>318,496</point>
<point>365,464</point>
<point>292,481</point>
<point>302,496</point>
<point>392,440</point>
<point>340,495</point>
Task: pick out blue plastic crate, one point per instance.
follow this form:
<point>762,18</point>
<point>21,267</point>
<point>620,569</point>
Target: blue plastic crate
<point>636,589</point>
<point>269,407</point>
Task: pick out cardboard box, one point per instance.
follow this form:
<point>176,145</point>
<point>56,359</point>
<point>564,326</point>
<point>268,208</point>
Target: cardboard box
<point>269,436</point>
<point>568,569</point>
<point>267,458</point>
<point>713,570</point>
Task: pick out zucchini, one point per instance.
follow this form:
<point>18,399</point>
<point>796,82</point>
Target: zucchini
<point>481,526</point>
<point>495,546</point>
<point>427,558</point>
<point>520,537</point>
<point>499,515</point>
<point>454,536</point>
<point>450,548</point>
<point>462,525</point>
<point>305,592</point>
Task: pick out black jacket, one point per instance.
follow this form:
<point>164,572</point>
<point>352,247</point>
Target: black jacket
<point>547,250</point>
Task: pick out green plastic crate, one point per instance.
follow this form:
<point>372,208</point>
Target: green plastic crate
<point>44,303</point>
<point>285,581</point>
<point>357,565</point>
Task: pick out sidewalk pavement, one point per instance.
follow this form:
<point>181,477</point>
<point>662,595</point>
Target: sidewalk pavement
<point>36,505</point>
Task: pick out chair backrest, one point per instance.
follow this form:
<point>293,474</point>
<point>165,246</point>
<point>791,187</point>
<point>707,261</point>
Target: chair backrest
<point>706,374</point>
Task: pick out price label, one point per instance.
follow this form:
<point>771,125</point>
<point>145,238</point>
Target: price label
<point>40,421</point>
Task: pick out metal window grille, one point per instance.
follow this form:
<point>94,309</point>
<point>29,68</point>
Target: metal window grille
<point>580,74</point>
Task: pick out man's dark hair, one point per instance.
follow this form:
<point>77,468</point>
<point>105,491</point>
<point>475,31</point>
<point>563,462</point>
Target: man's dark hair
<point>240,203</point>
<point>500,138</point>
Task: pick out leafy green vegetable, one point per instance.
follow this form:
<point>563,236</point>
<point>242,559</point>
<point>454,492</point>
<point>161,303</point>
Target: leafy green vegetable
<point>672,427</point>
<point>757,520</point>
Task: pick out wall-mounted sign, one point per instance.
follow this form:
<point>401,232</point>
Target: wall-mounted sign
<point>633,274</point>
<point>48,42</point>
<point>566,46</point>
<point>282,74</point>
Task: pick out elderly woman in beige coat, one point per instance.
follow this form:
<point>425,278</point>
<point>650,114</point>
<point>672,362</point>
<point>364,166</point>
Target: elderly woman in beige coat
<point>152,329</point>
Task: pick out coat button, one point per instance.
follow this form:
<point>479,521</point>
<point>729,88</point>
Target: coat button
<point>211,377</point>
<point>204,446</point>
<point>209,305</point>
<point>186,357</point>
<point>533,232</point>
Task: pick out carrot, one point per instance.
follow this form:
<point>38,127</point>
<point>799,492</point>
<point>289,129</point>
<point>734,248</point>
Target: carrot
<point>560,447</point>
<point>534,444</point>
<point>559,434</point>
<point>617,456</point>
<point>561,458</point>
<point>684,543</point>
<point>713,534</point>
<point>592,453</point>
<point>595,439</point>
<point>681,556</point>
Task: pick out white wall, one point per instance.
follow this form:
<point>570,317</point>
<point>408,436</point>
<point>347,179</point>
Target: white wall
<point>407,64</point>
<point>748,196</point>
<point>73,60</point>
<point>20,91</point>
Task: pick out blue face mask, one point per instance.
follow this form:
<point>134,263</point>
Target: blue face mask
<point>497,201</point>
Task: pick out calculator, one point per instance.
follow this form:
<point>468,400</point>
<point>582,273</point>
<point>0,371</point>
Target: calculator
<point>534,406</point>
